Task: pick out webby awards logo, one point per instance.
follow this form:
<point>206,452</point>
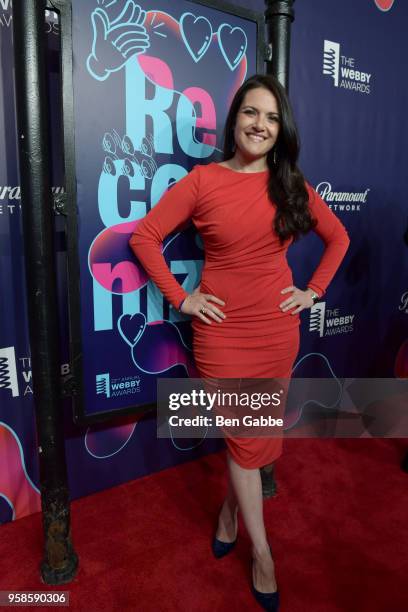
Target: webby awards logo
<point>114,387</point>
<point>329,321</point>
<point>5,13</point>
<point>344,69</point>
<point>8,371</point>
<point>16,375</point>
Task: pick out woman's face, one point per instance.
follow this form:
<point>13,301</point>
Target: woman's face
<point>257,124</point>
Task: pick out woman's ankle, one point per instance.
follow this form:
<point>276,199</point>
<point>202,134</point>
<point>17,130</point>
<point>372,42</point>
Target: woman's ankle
<point>227,524</point>
<point>229,512</point>
<point>262,552</point>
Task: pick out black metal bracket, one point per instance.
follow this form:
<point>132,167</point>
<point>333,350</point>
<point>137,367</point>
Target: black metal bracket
<point>68,386</point>
<point>53,5</point>
<point>267,51</point>
<point>60,204</point>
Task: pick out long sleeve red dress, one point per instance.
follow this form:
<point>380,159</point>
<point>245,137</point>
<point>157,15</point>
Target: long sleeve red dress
<point>246,267</point>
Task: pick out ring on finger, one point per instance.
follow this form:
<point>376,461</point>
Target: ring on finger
<point>203,310</point>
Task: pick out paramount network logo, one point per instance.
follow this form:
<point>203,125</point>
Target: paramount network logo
<point>342,69</point>
<point>13,192</point>
<point>403,307</point>
<point>341,200</point>
<point>8,371</point>
<point>329,321</point>
<point>10,198</point>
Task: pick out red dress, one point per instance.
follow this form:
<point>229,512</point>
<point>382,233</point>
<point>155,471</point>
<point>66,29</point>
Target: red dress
<point>245,266</point>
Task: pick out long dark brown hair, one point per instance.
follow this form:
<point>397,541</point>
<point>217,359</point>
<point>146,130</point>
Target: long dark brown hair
<point>286,185</point>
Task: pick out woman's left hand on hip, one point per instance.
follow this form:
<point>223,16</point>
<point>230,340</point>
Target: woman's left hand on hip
<point>299,300</point>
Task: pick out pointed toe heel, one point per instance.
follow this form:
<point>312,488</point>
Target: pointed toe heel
<point>220,549</point>
<point>267,601</point>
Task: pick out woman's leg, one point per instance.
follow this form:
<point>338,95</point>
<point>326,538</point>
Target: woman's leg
<point>227,520</point>
<point>248,491</point>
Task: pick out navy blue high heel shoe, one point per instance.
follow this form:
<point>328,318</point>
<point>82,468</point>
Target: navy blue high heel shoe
<point>267,601</point>
<point>220,549</point>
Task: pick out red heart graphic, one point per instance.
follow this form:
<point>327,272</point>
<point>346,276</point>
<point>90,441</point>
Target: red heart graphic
<point>384,5</point>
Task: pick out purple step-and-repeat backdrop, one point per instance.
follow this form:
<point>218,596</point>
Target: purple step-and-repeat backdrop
<point>349,94</point>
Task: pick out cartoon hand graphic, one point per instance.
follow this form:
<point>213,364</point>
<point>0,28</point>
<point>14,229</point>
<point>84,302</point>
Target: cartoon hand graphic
<point>117,39</point>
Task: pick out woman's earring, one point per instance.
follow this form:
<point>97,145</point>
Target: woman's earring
<point>275,156</point>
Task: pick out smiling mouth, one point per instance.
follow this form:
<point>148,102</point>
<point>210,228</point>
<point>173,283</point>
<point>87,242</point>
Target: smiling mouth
<point>256,137</point>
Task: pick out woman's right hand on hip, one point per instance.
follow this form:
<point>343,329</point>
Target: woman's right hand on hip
<point>203,306</point>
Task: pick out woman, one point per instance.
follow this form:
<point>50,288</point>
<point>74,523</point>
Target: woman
<point>248,209</point>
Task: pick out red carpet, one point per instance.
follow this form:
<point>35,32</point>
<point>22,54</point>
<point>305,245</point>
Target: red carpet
<point>338,529</point>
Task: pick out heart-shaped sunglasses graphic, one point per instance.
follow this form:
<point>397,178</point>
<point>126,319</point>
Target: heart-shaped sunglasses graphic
<point>197,33</point>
